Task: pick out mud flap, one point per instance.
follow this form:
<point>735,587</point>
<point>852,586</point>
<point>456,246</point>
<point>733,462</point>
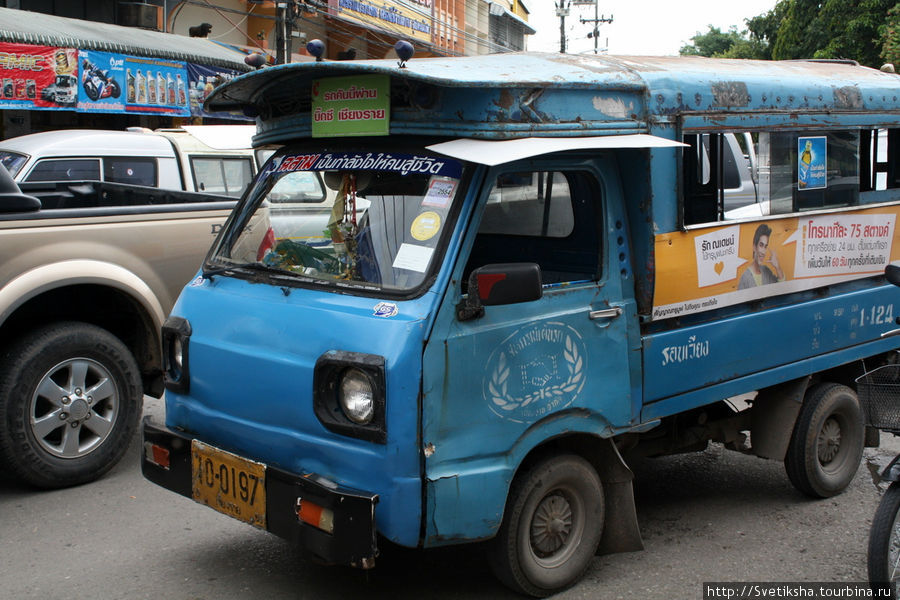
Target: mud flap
<point>773,416</point>
<point>620,531</point>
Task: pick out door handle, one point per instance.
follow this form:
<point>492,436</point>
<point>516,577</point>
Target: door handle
<point>606,313</point>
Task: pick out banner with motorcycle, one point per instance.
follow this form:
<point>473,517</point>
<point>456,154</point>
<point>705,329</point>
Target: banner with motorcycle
<point>710,268</point>
<point>118,83</point>
<point>203,80</point>
<point>38,77</point>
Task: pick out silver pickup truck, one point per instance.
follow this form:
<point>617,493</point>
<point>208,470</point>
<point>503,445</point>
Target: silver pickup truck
<point>88,273</point>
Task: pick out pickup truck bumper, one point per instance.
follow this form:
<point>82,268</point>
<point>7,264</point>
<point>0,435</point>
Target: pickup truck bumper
<point>335,525</point>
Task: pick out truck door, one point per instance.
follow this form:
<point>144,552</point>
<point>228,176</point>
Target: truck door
<point>496,385</point>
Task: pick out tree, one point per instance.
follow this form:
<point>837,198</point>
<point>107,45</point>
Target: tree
<point>867,31</point>
<point>850,29</point>
<point>889,33</point>
<point>712,43</point>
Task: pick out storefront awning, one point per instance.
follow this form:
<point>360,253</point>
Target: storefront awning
<point>25,27</point>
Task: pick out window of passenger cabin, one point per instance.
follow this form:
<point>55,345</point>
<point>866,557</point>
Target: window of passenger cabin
<point>736,175</point>
<point>130,170</point>
<point>223,176</point>
<point>545,217</point>
<point>67,169</point>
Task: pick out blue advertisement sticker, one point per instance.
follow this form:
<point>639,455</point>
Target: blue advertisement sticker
<point>812,162</point>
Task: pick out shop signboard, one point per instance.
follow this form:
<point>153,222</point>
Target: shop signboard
<point>50,78</point>
<point>408,19</point>
<point>38,77</point>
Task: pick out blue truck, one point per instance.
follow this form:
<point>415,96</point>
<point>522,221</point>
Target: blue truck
<point>467,291</point>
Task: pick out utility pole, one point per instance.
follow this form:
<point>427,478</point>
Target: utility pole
<point>283,24</point>
<point>562,11</point>
<point>597,20</point>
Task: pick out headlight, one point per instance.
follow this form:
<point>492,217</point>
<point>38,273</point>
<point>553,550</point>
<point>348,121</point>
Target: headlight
<point>349,394</point>
<point>178,353</point>
<point>357,396</point>
<point>176,336</point>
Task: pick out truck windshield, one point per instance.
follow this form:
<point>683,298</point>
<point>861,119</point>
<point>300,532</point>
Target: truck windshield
<point>369,219</point>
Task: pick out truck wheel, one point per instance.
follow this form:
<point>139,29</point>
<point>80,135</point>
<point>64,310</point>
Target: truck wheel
<point>827,443</point>
<point>70,400</point>
<point>551,529</point>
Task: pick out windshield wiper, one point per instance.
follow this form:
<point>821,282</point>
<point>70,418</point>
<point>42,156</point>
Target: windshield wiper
<point>210,272</point>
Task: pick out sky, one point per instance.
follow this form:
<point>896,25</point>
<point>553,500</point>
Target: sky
<point>639,27</point>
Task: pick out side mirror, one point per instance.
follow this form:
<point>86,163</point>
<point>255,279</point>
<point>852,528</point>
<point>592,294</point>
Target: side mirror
<point>508,283</point>
<point>892,272</point>
<point>12,200</point>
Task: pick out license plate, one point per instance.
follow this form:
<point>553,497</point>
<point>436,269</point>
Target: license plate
<point>229,484</point>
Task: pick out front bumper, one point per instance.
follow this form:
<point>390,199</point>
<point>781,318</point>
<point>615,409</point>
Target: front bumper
<point>352,540</point>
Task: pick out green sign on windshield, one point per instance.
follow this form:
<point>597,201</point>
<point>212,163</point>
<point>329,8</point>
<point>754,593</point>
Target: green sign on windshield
<point>351,106</point>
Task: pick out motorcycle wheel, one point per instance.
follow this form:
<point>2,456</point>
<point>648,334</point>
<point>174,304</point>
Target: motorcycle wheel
<point>884,543</point>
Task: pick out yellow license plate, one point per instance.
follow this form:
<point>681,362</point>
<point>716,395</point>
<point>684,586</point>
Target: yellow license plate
<point>229,484</point>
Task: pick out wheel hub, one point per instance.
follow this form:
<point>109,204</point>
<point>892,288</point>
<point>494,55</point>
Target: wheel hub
<point>829,441</point>
<point>78,409</point>
<point>551,525</point>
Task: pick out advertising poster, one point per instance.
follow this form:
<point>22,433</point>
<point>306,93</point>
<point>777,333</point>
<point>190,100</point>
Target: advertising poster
<point>38,77</point>
<point>156,86</point>
<point>101,82</point>
<point>710,268</point>
<point>351,106</point>
<point>811,162</point>
<point>201,81</point>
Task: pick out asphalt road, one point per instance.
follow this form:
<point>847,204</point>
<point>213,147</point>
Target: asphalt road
<point>713,516</point>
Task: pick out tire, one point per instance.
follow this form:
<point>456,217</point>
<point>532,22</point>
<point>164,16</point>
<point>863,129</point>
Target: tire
<point>70,401</point>
<point>114,89</point>
<point>884,542</point>
<point>827,443</point>
<point>530,557</point>
<point>91,90</point>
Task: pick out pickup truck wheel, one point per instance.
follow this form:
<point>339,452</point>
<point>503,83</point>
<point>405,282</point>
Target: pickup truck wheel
<point>827,443</point>
<point>70,400</point>
<point>551,529</point>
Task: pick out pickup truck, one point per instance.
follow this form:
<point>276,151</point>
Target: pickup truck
<point>88,272</point>
<point>215,159</point>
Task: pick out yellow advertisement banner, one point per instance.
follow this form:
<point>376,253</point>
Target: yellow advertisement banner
<point>403,19</point>
<point>710,268</point>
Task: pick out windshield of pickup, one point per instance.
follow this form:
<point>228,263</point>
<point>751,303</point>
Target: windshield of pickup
<point>13,161</point>
<point>368,219</point>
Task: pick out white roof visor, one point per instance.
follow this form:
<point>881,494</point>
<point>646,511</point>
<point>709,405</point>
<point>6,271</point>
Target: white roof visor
<point>489,152</point>
<point>223,137</point>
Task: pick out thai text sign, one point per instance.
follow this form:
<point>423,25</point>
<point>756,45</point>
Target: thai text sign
<point>351,106</point>
<point>720,266</point>
<point>402,18</point>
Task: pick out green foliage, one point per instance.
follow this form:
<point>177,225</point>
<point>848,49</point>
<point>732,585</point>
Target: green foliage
<point>832,29</point>
<point>889,33</point>
<point>712,43</point>
<point>867,31</point>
